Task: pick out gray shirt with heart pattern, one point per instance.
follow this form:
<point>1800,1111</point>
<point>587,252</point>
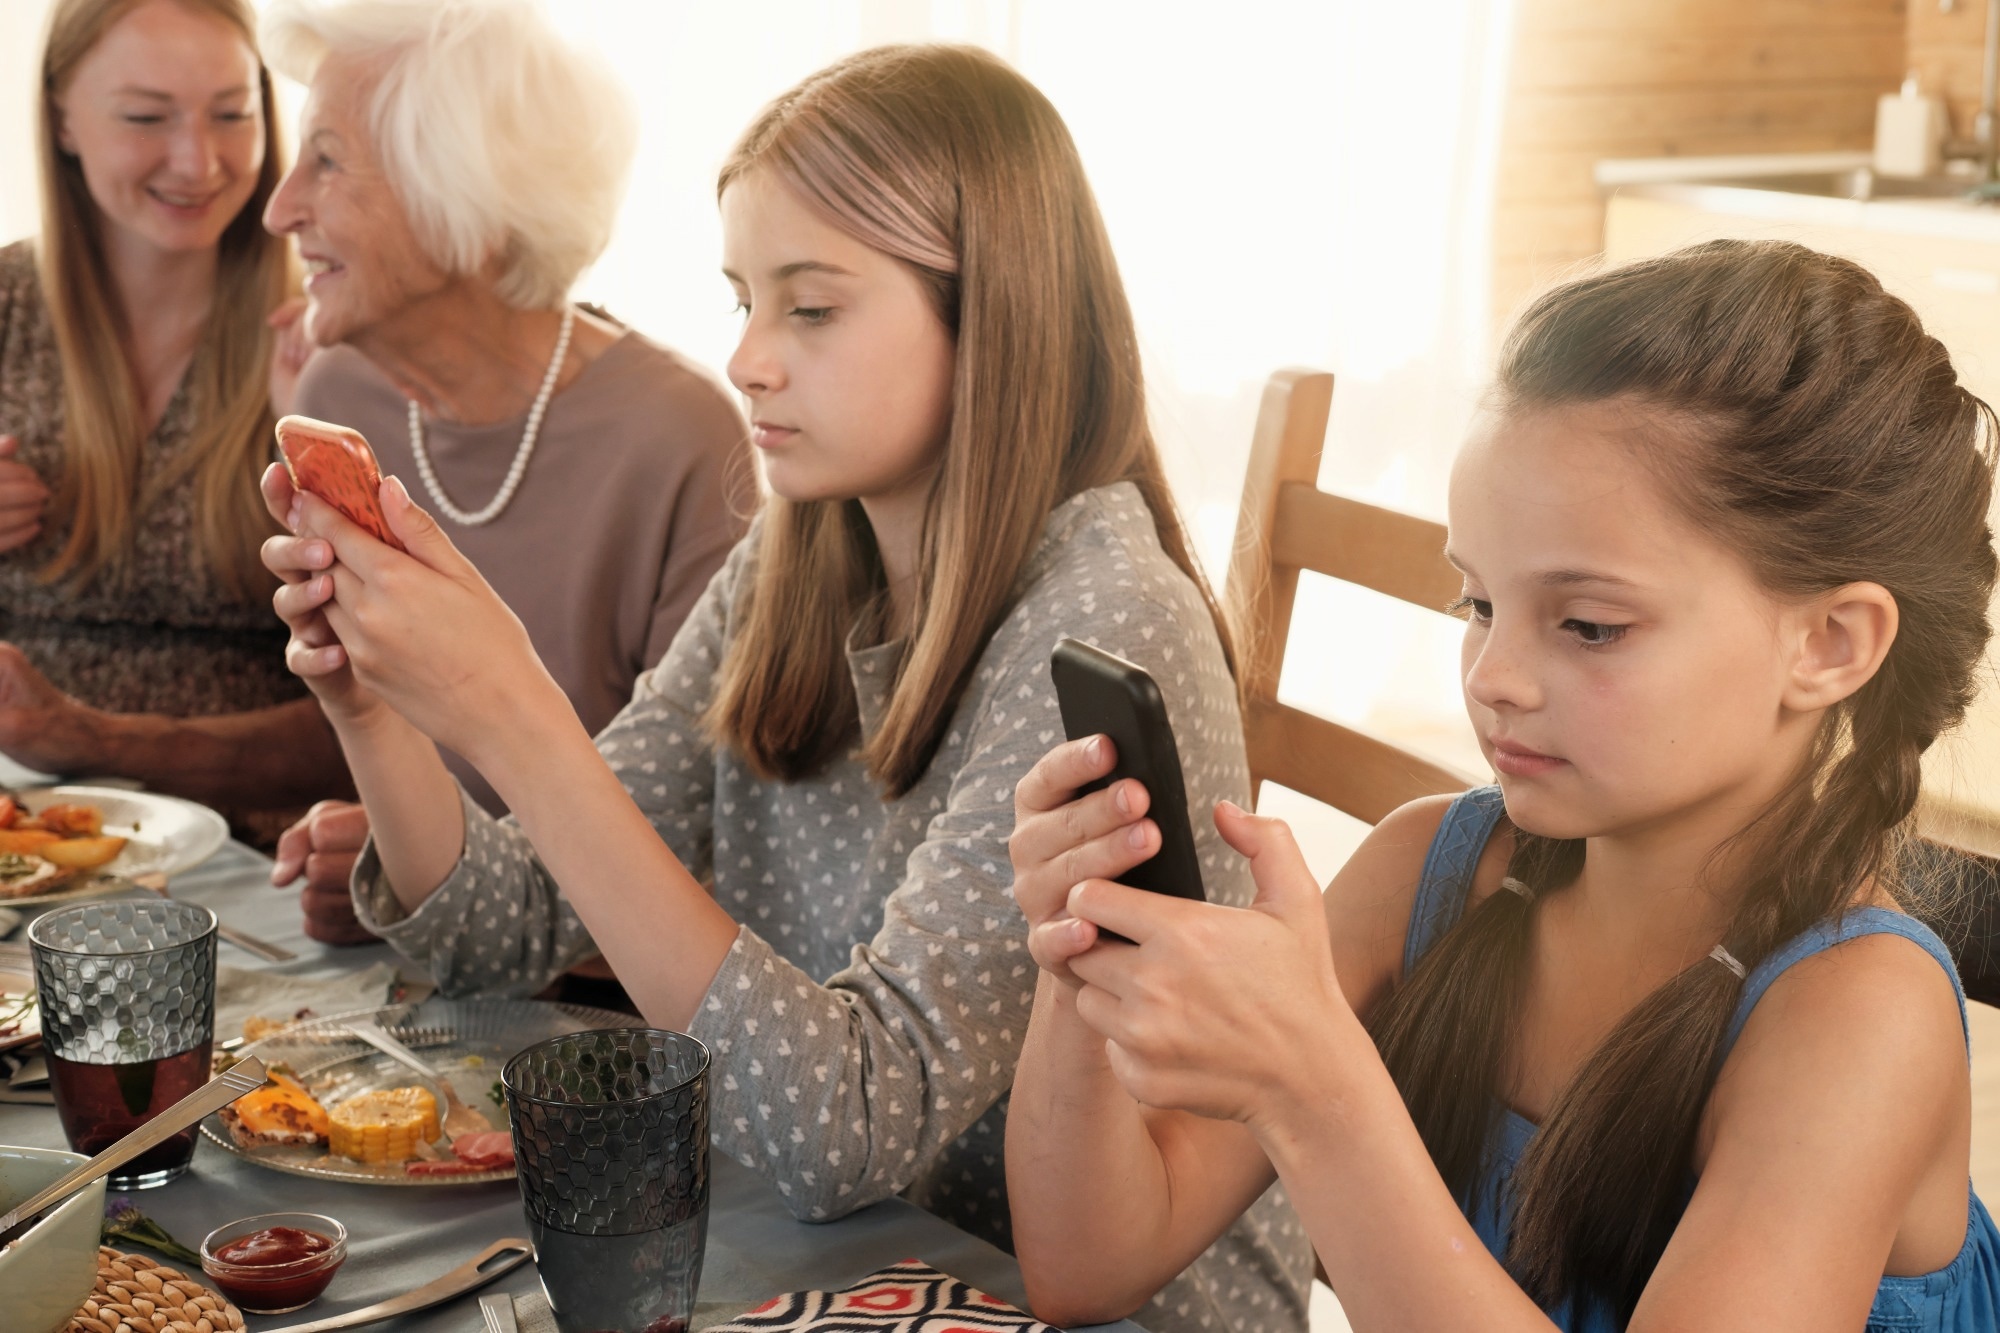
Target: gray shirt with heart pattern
<point>866,1022</point>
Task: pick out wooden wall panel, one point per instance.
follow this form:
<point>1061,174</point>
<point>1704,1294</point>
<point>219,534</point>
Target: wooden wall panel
<point>1693,16</point>
<point>1947,52</point>
<point>1592,79</point>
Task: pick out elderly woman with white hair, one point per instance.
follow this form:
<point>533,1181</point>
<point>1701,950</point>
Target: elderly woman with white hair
<point>460,164</point>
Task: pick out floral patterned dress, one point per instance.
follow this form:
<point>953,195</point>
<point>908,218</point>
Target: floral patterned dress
<point>158,635</point>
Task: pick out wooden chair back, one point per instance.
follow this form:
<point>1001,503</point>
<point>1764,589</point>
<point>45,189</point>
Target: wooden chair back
<point>1287,524</point>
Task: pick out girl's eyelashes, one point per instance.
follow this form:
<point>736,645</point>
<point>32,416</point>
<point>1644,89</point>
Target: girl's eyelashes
<point>1588,633</point>
<point>1476,609</point>
<point>811,316</point>
<point>1594,634</point>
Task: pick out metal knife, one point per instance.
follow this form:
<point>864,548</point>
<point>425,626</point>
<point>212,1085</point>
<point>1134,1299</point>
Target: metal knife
<point>501,1256</point>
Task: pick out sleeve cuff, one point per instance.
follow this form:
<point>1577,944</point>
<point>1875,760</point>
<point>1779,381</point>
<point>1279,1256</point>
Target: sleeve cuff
<point>378,908</point>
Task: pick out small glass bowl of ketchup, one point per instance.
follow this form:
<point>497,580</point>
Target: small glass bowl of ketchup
<point>274,1263</point>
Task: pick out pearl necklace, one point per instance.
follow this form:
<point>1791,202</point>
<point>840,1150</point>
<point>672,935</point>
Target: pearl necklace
<point>515,470</point>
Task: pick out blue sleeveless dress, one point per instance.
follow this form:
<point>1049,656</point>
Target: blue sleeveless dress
<point>1962,1297</point>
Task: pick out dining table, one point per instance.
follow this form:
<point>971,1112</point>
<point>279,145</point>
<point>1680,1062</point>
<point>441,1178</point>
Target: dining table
<point>403,1236</point>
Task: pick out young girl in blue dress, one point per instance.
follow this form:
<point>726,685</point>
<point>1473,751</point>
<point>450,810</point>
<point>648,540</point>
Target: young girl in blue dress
<point>1642,1036</point>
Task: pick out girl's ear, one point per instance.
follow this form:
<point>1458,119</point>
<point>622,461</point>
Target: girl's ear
<point>1843,636</point>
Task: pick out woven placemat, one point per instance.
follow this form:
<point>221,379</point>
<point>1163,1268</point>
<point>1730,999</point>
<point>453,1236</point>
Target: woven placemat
<point>136,1295</point>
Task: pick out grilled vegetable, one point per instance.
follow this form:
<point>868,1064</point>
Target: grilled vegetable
<point>383,1126</point>
<point>82,853</point>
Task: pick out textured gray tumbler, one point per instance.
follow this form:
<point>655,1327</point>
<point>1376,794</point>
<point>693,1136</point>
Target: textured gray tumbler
<point>611,1148</point>
<point>127,994</point>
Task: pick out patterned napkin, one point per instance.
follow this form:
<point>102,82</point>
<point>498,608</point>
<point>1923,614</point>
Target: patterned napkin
<point>908,1297</point>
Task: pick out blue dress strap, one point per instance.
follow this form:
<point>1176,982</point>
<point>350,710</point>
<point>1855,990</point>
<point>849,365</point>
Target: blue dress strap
<point>1447,876</point>
<point>1823,936</point>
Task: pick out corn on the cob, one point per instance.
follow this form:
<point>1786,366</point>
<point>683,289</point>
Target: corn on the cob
<point>383,1126</point>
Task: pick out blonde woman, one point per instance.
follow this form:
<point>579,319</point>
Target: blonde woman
<point>134,356</point>
<point>793,842</point>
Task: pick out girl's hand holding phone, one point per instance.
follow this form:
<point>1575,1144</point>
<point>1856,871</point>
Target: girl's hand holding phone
<point>418,629</point>
<point>1060,840</point>
<point>1227,1012</point>
<point>314,653</point>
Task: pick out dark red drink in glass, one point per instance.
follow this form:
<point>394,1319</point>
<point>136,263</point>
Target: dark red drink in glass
<point>127,993</point>
<point>100,1104</point>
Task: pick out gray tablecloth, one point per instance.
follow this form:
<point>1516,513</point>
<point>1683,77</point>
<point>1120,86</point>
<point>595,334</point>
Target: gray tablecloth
<point>401,1237</point>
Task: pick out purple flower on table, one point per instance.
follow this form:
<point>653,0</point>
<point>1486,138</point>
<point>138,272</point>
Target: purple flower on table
<point>124,1222</point>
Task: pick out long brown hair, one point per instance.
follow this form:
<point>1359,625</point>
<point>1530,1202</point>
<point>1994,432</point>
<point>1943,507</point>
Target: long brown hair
<point>104,428</point>
<point>1807,419</point>
<point>945,158</point>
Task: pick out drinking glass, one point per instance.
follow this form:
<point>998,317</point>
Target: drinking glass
<point>611,1149</point>
<point>127,994</point>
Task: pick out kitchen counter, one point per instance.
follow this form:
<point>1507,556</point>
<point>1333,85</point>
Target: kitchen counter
<point>1810,190</point>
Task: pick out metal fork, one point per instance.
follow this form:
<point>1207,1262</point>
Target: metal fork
<point>332,1032</point>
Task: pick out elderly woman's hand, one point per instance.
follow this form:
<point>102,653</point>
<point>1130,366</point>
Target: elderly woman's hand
<point>290,347</point>
<point>1061,839</point>
<point>322,848</point>
<point>420,631</point>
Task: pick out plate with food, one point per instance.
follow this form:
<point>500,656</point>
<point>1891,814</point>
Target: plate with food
<point>340,1109</point>
<point>56,842</point>
<point>20,1020</point>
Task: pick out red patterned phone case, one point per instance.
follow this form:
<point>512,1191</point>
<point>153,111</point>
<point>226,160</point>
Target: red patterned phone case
<point>336,464</point>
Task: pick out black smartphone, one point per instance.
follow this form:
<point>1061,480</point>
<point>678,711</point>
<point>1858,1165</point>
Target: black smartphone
<point>1101,694</point>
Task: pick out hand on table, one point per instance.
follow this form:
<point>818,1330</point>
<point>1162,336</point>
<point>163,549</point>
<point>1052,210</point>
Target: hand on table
<point>420,631</point>
<point>42,727</point>
<point>323,847</point>
<point>1232,1013</point>
<point>23,497</point>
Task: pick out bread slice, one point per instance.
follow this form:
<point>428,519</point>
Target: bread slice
<point>279,1115</point>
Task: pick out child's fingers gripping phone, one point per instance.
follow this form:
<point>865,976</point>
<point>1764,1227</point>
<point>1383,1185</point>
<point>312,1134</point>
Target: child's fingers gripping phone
<point>336,464</point>
<point>1100,694</point>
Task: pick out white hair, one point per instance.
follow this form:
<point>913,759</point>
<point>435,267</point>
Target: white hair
<point>499,137</point>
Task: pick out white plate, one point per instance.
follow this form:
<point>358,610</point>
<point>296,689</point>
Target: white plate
<point>14,773</point>
<point>163,834</point>
<point>19,1023</point>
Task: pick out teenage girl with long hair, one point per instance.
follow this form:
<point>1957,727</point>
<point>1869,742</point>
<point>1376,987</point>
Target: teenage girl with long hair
<point>1640,1037</point>
<point>136,368</point>
<point>793,842</point>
